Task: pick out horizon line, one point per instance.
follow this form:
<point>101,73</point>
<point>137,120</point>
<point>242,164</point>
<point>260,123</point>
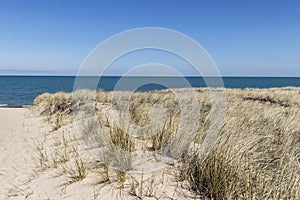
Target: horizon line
<point>192,76</point>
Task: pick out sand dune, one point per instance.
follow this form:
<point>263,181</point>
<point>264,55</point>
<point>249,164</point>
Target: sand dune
<point>53,150</point>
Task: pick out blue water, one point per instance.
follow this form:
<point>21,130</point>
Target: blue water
<point>22,90</point>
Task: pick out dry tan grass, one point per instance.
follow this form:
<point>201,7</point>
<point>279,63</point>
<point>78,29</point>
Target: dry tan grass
<point>257,155</point>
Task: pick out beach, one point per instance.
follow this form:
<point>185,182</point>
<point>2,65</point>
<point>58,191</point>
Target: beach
<point>21,129</point>
<point>17,131</point>
<point>149,100</point>
<point>52,150</point>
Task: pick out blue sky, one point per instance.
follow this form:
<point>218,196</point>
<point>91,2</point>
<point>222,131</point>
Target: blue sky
<point>244,38</point>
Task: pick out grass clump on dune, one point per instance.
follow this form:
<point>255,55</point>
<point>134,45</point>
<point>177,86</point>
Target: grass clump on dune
<point>213,175</point>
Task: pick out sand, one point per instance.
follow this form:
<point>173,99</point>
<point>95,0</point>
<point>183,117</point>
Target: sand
<point>20,178</point>
<point>17,132</point>
<point>20,130</point>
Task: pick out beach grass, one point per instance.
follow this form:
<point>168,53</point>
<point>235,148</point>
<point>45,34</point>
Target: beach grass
<point>256,154</point>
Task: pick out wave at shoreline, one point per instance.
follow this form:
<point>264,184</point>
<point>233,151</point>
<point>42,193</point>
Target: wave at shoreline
<point>13,105</point>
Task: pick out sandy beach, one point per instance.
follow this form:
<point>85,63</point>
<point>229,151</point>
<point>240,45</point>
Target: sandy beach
<point>21,131</point>
<point>149,100</point>
<point>17,131</point>
<point>52,150</point>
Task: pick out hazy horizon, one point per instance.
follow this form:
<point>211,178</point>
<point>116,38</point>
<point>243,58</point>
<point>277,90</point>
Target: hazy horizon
<point>38,73</point>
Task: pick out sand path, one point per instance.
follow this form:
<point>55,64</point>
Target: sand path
<point>17,133</point>
<point>20,130</point>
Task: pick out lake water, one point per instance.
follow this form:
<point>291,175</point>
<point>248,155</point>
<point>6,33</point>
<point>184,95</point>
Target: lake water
<point>22,90</point>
